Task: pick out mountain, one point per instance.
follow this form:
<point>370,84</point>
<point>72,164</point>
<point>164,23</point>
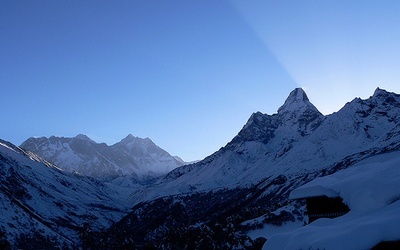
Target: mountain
<point>38,198</point>
<point>132,157</point>
<point>253,175</point>
<point>237,197</point>
<point>295,140</point>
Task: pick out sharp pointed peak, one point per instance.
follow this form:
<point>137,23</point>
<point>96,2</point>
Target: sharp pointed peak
<point>296,100</point>
<point>298,94</point>
<point>379,92</point>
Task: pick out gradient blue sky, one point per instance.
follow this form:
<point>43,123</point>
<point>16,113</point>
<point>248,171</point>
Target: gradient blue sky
<point>187,74</point>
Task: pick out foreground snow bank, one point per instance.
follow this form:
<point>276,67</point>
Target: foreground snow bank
<point>371,190</point>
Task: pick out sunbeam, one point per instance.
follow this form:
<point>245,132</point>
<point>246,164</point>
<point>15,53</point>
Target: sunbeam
<point>336,50</point>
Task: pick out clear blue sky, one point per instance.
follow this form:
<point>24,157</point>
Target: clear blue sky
<point>187,74</point>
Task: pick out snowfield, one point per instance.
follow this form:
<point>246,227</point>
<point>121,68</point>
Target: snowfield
<point>371,189</point>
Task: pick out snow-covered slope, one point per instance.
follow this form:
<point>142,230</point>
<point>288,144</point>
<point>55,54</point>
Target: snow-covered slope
<point>36,196</point>
<point>133,157</point>
<point>371,190</point>
<point>296,141</point>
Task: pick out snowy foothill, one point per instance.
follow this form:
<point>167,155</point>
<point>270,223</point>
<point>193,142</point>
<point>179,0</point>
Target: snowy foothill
<point>37,196</point>
<point>370,189</point>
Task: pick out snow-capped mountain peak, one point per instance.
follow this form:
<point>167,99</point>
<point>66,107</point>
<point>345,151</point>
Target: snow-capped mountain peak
<point>379,92</point>
<point>83,137</point>
<point>296,117</point>
<point>297,101</point>
<point>139,146</point>
<point>131,139</point>
<point>386,98</point>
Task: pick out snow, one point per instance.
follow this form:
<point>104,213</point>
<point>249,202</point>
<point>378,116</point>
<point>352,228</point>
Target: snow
<point>351,231</point>
<point>270,230</point>
<point>363,187</point>
<point>370,189</point>
<point>297,100</point>
<point>314,191</point>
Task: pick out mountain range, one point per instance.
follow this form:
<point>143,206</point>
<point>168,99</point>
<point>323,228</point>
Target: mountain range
<point>133,157</point>
<point>215,203</point>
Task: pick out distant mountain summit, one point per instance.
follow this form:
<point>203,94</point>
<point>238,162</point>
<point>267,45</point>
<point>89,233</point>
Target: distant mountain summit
<point>132,156</point>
